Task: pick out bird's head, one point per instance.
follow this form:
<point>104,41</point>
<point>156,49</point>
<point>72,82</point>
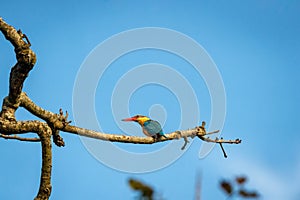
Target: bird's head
<point>137,118</point>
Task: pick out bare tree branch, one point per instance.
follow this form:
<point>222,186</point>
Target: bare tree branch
<point>45,181</point>
<point>15,137</point>
<point>25,61</point>
<point>44,133</point>
<point>60,122</point>
<point>207,139</point>
<point>54,123</point>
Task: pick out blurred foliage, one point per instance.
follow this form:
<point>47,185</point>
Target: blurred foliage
<point>145,191</point>
<point>226,186</point>
<point>236,187</point>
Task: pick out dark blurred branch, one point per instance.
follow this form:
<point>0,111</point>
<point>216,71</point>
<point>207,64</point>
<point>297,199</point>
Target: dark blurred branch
<point>198,187</point>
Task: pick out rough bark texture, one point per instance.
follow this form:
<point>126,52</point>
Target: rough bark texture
<point>8,125</point>
<point>25,61</point>
<point>10,128</point>
<point>45,182</point>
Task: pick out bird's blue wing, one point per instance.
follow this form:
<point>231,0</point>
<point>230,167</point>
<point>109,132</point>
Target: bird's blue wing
<point>153,127</point>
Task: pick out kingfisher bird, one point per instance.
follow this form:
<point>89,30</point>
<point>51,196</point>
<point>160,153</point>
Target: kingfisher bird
<point>151,128</point>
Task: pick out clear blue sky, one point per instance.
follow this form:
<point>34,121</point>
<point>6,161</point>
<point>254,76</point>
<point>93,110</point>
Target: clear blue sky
<point>255,45</point>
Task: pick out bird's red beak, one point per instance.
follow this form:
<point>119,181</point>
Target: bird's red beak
<point>129,119</point>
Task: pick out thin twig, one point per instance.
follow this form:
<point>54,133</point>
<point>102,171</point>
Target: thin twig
<point>213,132</point>
<point>220,141</point>
<point>15,137</point>
<point>223,150</point>
<point>207,139</point>
<point>186,141</point>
